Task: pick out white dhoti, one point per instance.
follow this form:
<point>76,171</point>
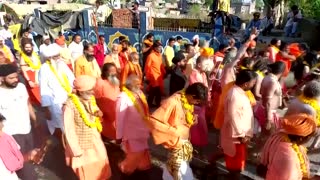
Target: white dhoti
<point>56,118</point>
<point>184,172</point>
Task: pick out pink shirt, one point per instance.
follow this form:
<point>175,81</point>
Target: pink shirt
<point>282,161</point>
<point>238,119</point>
<point>198,77</point>
<point>99,53</point>
<point>130,124</point>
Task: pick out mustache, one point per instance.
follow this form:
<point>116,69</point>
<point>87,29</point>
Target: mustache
<point>113,80</point>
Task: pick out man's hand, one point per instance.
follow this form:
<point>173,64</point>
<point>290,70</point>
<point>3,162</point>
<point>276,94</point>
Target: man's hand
<point>269,125</point>
<point>35,156</point>
<point>98,114</point>
<point>245,139</point>
<point>31,84</point>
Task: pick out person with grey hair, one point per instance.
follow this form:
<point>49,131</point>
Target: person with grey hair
<point>132,114</point>
<point>132,67</point>
<point>114,58</point>
<point>308,103</point>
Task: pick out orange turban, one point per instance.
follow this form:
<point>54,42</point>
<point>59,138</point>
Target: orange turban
<point>252,44</point>
<point>60,41</point>
<point>84,83</point>
<point>299,124</point>
<point>207,52</point>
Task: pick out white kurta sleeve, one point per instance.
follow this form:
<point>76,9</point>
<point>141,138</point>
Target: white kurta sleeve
<point>122,107</point>
<point>45,91</point>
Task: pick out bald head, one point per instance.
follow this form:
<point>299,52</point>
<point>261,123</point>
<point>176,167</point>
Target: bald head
<point>312,90</point>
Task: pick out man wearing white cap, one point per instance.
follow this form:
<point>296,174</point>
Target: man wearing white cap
<point>45,46</point>
<point>55,80</point>
<point>6,50</point>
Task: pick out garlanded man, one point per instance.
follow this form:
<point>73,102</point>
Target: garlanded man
<point>171,125</point>
<point>178,79</point>
<point>237,128</point>
<point>84,150</point>
<point>132,130</point>
<point>87,64</point>
<point>55,81</point>
<point>106,92</point>
<point>131,67</point>
<point>283,156</point>
<point>14,96</point>
<point>30,65</point>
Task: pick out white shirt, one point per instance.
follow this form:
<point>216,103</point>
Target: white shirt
<point>290,18</point>
<point>6,34</point>
<point>76,50</point>
<point>14,107</point>
<point>5,174</point>
<point>53,95</point>
<point>42,49</point>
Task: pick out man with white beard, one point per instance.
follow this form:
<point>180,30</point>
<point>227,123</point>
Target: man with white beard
<point>56,81</point>
<point>106,92</point>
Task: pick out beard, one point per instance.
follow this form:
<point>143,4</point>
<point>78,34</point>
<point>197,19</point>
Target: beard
<point>136,90</point>
<point>89,57</point>
<point>10,86</point>
<point>28,53</point>
<point>183,67</point>
<point>113,80</point>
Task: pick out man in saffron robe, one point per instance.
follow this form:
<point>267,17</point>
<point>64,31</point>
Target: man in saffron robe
<point>6,50</point>
<point>273,49</point>
<point>131,67</point>
<point>114,58</point>
<point>238,123</point>
<point>132,129</point>
<point>283,156</point>
<point>85,151</point>
<point>55,81</point>
<point>106,92</point>
<point>87,64</point>
<point>155,73</point>
<point>171,128</point>
<point>30,65</point>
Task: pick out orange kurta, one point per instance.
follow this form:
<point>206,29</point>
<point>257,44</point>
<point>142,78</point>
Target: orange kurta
<point>106,96</point>
<point>129,69</point>
<point>169,125</point>
<point>84,67</point>
<point>155,70</point>
<point>88,164</point>
<point>286,61</point>
<point>7,53</point>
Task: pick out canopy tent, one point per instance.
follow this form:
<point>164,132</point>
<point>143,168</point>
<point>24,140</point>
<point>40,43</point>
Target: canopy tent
<point>19,11</point>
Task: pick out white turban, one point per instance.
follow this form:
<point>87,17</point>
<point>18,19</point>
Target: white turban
<point>53,50</point>
<point>195,37</point>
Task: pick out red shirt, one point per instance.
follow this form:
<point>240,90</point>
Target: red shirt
<point>99,53</point>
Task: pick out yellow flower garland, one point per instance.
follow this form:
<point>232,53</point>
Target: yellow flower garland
<point>80,107</point>
<point>314,104</point>
<point>302,162</point>
<point>29,62</point>
<point>260,73</point>
<point>189,108</point>
<point>65,83</point>
<point>143,113</point>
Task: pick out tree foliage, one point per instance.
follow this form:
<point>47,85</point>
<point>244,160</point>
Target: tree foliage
<point>195,10</point>
<point>310,8</point>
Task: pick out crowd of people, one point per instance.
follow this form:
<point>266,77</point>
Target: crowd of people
<point>89,95</point>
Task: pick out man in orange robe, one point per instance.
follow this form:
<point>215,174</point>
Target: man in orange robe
<point>85,151</point>
<point>132,67</point>
<point>106,92</point>
<point>155,73</point>
<point>30,65</point>
<point>6,50</point>
<point>170,127</point>
<point>87,64</point>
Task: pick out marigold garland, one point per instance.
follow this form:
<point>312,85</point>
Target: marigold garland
<point>30,63</point>
<point>80,107</point>
<point>144,113</point>
<point>314,104</point>
<point>260,73</point>
<point>65,82</point>
<point>301,158</point>
<point>189,108</point>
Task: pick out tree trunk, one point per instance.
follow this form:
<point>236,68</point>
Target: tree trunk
<point>277,9</point>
